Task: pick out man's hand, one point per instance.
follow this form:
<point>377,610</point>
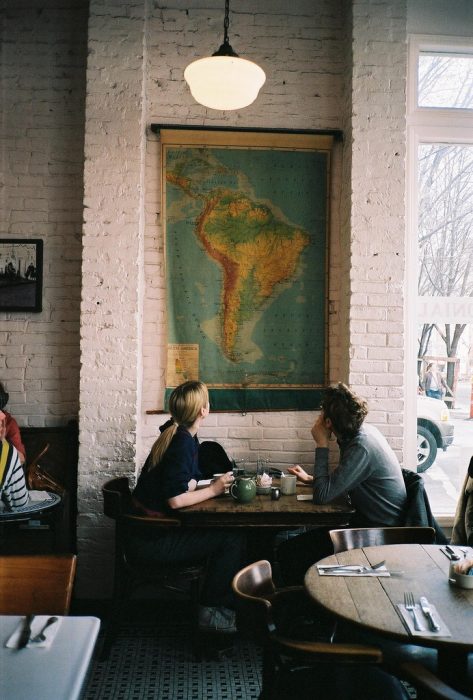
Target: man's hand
<point>321,432</point>
<point>301,474</point>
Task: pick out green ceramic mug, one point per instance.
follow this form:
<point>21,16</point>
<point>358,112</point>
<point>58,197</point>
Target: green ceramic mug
<point>243,489</point>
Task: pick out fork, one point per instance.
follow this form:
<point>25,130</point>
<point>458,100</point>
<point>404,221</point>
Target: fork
<point>409,604</point>
<point>40,637</point>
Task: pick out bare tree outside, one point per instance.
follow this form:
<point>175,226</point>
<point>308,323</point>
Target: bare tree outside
<point>445,225</point>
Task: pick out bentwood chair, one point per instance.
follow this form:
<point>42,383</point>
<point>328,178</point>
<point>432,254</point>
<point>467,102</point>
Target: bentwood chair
<point>293,649</point>
<point>428,685</point>
<point>132,573</point>
<point>36,584</point>
<point>358,537</point>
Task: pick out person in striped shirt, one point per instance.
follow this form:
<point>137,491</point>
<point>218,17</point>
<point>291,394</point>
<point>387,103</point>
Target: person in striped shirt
<point>13,491</point>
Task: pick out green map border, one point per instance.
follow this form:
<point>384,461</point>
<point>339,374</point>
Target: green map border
<point>247,400</point>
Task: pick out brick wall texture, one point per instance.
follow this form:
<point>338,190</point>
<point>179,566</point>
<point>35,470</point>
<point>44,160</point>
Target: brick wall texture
<point>81,169</point>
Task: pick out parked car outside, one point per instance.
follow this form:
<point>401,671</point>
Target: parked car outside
<point>434,430</point>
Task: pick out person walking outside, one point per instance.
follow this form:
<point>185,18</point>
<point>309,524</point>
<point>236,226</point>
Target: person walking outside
<point>434,384</point>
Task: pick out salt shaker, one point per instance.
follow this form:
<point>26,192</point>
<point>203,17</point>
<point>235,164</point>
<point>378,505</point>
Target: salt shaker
<point>275,493</point>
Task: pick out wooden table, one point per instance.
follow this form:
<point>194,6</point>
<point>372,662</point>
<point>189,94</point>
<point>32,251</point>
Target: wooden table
<point>224,511</point>
<point>58,672</point>
<point>370,601</point>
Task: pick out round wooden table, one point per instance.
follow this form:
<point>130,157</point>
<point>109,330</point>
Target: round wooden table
<point>31,509</point>
<point>34,517</point>
<point>370,602</point>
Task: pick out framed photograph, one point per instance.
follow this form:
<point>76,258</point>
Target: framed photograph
<point>21,274</point>
<point>246,241</point>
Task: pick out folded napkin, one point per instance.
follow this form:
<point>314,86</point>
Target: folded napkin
<point>425,630</point>
<point>350,570</point>
<point>37,625</point>
<point>37,496</point>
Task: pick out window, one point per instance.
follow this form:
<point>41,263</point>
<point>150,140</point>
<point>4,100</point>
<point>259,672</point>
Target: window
<point>440,306</point>
<point>445,80</point>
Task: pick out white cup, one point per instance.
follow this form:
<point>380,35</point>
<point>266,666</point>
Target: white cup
<point>288,484</point>
<point>460,580</point>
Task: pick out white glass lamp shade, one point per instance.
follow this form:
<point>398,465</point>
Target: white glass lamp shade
<point>224,82</point>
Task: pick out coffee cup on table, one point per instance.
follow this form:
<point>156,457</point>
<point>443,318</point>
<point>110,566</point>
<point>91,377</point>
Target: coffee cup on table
<point>461,574</point>
<point>217,476</point>
<point>288,484</point>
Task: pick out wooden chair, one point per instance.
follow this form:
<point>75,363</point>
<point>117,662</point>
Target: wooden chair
<point>131,573</point>
<point>357,537</point>
<point>37,584</point>
<point>428,685</point>
<point>279,624</point>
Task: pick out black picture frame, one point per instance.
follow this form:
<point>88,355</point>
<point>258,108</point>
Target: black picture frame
<point>21,274</point>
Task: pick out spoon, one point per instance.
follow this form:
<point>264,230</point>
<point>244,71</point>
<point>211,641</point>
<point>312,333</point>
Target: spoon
<point>40,637</point>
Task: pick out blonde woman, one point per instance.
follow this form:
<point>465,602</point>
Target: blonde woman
<point>168,482</point>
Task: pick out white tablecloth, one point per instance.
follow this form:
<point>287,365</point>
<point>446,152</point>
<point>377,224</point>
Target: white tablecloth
<point>58,672</point>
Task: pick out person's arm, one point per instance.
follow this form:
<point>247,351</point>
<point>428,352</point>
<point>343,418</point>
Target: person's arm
<point>321,434</point>
<point>352,470</point>
<point>13,436</point>
<point>14,491</point>
<point>193,495</point>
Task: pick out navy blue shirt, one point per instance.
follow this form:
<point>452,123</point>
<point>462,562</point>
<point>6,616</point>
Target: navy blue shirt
<point>172,475</point>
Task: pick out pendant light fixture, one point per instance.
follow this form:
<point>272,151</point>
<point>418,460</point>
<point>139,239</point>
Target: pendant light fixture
<point>223,80</point>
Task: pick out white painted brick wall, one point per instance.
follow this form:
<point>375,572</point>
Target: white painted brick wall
<point>111,272</point>
<point>378,96</point>
<point>43,92</point>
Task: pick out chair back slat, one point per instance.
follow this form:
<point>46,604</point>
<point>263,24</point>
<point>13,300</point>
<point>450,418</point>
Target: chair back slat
<point>37,584</point>
<point>117,504</point>
<point>255,583</point>
<point>356,538</point>
<point>116,497</point>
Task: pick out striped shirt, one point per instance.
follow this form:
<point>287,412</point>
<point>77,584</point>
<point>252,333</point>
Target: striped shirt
<point>13,491</point>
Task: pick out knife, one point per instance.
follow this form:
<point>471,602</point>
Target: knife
<point>25,632</point>
<point>424,604</point>
<point>337,567</point>
<point>453,555</point>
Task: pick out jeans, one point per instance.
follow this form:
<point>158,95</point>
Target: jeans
<point>434,393</point>
<point>222,549</point>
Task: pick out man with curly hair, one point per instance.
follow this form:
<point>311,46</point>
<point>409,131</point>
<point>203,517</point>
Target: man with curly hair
<point>368,473</point>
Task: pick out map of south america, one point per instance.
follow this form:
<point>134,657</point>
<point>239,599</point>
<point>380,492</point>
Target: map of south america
<point>266,264</point>
<point>256,253</point>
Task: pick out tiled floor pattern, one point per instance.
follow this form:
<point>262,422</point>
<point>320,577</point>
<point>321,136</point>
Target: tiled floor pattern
<point>149,662</point>
<point>153,658</point>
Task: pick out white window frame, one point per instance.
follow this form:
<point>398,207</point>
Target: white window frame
<point>435,116</point>
<point>424,125</point>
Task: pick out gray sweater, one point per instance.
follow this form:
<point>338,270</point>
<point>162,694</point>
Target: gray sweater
<point>369,473</point>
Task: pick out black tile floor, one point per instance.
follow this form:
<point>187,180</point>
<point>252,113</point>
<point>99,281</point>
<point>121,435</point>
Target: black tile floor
<point>153,657</point>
